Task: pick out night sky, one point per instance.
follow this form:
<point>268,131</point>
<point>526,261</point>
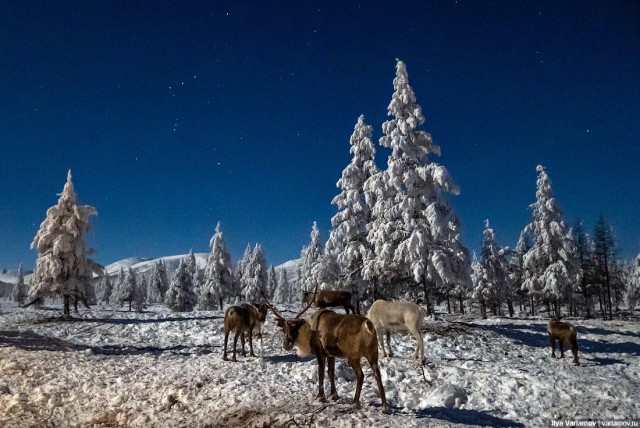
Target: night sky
<point>175,115</point>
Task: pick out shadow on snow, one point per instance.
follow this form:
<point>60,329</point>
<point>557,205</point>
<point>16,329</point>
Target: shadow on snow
<point>468,417</point>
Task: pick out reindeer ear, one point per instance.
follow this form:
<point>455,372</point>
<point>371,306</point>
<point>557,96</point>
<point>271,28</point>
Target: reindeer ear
<point>280,322</point>
<point>298,323</point>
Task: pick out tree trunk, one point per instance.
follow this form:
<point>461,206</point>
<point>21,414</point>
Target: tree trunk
<point>65,308</point>
<point>602,311</point>
<point>130,302</point>
<point>606,269</point>
<point>461,304</point>
<point>75,303</point>
<point>533,309</point>
<point>448,304</point>
<point>220,303</point>
<point>510,308</point>
<point>483,309</point>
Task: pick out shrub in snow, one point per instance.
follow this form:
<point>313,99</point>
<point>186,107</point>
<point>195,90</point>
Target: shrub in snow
<point>180,297</point>
<point>63,267</point>
<point>218,280</point>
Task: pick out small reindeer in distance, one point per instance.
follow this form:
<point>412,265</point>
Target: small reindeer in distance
<point>328,335</point>
<point>241,319</point>
<point>563,332</point>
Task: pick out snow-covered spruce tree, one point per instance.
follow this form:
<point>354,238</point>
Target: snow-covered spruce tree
<point>283,290</point>
<point>238,273</point>
<point>63,267</point>
<point>19,292</point>
<point>129,291</point>
<point>272,281</point>
<point>551,268</point>
<point>494,262</point>
<point>516,270</point>
<point>196,274</point>
<point>605,256</point>
<point>633,284</point>
<point>310,258</point>
<point>159,282</point>
<point>584,248</point>
<point>348,244</point>
<point>415,233</point>
<point>180,296</point>
<point>106,288</point>
<point>480,288</point>
<point>254,277</point>
<point>218,280</point>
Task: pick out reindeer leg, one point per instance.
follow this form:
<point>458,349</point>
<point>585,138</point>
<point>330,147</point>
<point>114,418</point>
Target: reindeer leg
<point>244,352</point>
<point>235,344</point>
<point>389,343</point>
<point>332,378</point>
<point>419,345</point>
<point>553,346</point>
<point>376,373</point>
<point>226,339</point>
<point>321,360</point>
<point>251,343</point>
<point>355,365</point>
<point>561,341</point>
<point>574,351</point>
<point>381,342</point>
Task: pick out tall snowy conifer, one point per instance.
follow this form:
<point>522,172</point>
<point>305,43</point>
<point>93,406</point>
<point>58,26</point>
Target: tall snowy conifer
<point>283,290</point>
<point>493,260</point>
<point>551,268</point>
<point>415,233</point>
<point>272,281</point>
<point>310,260</point>
<point>238,272</point>
<point>106,288</point>
<point>218,281</point>
<point>348,244</point>
<point>159,282</point>
<point>19,292</point>
<point>129,291</point>
<point>633,284</point>
<point>180,296</point>
<point>254,276</point>
<point>63,267</point>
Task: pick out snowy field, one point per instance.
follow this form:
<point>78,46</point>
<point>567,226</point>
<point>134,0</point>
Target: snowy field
<point>160,369</point>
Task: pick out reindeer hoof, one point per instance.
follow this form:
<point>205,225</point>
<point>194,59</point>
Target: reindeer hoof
<point>334,396</point>
<point>386,410</point>
<point>321,398</point>
<point>225,358</point>
<point>356,404</point>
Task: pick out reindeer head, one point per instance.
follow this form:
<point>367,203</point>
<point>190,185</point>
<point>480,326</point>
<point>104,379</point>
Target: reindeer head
<point>290,328</point>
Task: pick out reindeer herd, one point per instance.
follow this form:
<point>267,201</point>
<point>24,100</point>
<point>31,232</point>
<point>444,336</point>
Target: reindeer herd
<point>328,335</point>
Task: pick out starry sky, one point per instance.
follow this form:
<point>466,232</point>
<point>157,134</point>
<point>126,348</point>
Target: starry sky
<point>175,115</point>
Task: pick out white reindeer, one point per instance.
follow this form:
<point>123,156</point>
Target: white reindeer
<point>394,316</point>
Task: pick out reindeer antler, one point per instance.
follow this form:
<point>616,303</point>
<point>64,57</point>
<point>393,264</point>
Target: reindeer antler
<point>273,309</point>
<point>315,291</point>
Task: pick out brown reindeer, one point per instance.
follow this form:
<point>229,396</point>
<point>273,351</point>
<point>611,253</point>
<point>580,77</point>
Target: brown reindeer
<point>328,335</point>
<point>329,299</point>
<point>563,332</point>
<point>241,319</point>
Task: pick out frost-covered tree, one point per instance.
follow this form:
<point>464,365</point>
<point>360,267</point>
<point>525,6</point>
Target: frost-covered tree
<point>495,265</point>
<point>348,244</point>
<point>415,233</point>
<point>272,281</point>
<point>480,289</point>
<point>310,260</point>
<point>254,277</point>
<point>551,268</point>
<point>19,292</point>
<point>63,267</point>
<point>516,268</point>
<point>158,283</point>
<point>282,294</point>
<point>129,291</point>
<point>633,284</point>
<point>238,272</point>
<point>584,248</point>
<point>106,288</point>
<point>196,274</point>
<point>180,296</point>
<point>218,280</point>
<point>605,257</point>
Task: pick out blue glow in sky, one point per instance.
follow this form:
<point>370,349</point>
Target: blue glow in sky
<point>173,116</point>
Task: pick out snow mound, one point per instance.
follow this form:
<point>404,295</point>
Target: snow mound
<point>447,395</point>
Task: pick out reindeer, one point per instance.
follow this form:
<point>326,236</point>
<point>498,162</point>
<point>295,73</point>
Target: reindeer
<point>563,332</point>
<point>328,335</point>
<point>241,319</point>
<point>394,316</point>
<point>329,299</point>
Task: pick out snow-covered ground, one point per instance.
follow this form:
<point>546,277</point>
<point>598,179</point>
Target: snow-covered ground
<point>161,369</point>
